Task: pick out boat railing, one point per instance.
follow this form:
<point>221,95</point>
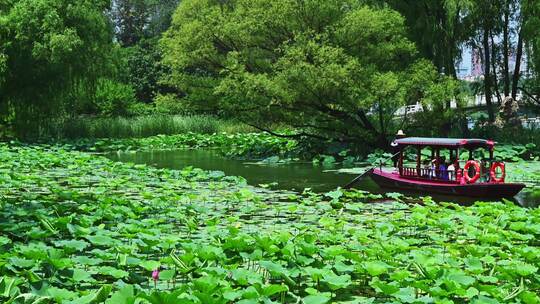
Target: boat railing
<point>429,174</point>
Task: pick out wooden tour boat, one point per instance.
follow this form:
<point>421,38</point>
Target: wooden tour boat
<point>472,178</point>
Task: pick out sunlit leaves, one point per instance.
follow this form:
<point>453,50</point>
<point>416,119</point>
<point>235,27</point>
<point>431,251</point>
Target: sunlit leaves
<point>317,74</point>
<point>214,239</point>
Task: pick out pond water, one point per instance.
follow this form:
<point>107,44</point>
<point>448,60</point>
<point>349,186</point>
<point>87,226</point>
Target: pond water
<point>291,176</point>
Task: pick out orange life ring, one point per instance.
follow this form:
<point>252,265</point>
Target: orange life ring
<point>468,179</point>
<point>493,172</point>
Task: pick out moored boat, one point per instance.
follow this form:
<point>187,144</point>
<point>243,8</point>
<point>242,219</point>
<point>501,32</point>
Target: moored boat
<point>483,178</point>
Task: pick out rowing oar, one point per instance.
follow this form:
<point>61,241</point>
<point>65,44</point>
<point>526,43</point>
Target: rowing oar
<point>359,177</point>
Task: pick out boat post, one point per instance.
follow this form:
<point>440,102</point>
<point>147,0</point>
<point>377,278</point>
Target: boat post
<point>437,161</point>
<point>400,162</point>
<point>418,161</point>
<point>458,170</point>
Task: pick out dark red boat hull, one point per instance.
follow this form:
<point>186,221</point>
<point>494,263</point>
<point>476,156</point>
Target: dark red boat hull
<point>484,190</point>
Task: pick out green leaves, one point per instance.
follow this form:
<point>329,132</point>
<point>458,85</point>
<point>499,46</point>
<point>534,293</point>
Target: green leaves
<point>125,295</point>
<point>101,240</point>
<point>56,48</point>
<point>216,240</point>
<point>150,265</point>
<point>73,245</point>
<point>327,68</point>
<point>316,299</point>
<point>8,286</point>
<point>111,271</point>
<point>376,268</point>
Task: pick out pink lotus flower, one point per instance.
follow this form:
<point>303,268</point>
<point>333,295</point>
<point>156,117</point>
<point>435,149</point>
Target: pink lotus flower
<point>155,274</point>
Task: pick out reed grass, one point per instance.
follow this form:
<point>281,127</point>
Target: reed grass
<point>142,126</point>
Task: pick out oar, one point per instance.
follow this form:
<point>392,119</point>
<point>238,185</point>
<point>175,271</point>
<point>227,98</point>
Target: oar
<point>359,177</point>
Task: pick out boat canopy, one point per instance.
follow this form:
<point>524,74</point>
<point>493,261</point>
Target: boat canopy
<point>444,142</point>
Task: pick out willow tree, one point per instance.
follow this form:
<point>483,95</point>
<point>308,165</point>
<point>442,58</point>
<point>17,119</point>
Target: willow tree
<point>530,36</point>
<point>48,50</point>
<point>330,69</point>
<point>437,27</point>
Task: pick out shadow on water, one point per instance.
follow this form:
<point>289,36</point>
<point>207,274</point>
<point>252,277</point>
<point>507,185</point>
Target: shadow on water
<point>291,176</point>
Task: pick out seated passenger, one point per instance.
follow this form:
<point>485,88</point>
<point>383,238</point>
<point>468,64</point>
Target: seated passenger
<point>433,170</point>
<point>443,172</point>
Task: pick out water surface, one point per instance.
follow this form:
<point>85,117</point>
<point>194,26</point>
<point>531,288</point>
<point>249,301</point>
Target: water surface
<point>291,176</point>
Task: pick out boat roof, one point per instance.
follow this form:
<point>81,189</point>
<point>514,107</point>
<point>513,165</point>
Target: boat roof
<point>471,143</point>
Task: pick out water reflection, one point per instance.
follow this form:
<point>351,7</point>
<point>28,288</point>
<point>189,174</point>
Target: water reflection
<point>293,176</point>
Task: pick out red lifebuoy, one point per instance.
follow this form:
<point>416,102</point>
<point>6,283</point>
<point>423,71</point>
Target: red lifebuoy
<point>468,179</point>
<point>493,172</point>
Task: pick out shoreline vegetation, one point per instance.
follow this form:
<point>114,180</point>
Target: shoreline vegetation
<point>79,228</point>
<point>249,144</point>
<point>139,126</point>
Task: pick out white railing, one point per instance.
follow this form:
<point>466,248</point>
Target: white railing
<point>531,123</point>
<point>410,109</point>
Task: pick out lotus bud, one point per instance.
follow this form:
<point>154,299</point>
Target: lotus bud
<point>155,274</point>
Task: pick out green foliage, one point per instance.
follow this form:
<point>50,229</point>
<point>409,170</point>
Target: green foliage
<point>135,20</point>
<point>47,47</point>
<point>437,29</point>
<point>531,26</point>
<point>265,62</point>
<point>142,126</point>
<point>144,70</point>
<point>247,145</point>
<point>170,104</point>
<point>72,230</point>
<point>516,153</point>
<point>379,158</point>
<point>113,98</point>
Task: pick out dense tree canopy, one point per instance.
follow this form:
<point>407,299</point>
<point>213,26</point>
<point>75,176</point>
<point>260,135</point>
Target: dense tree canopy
<point>531,34</point>
<point>138,19</point>
<point>319,66</point>
<point>329,69</point>
<point>48,50</point>
<point>437,28</point>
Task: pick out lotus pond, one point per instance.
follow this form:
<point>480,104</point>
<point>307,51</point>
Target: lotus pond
<point>298,175</point>
<point>80,228</point>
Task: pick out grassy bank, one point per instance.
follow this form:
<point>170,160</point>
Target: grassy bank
<point>143,126</point>
<point>78,228</point>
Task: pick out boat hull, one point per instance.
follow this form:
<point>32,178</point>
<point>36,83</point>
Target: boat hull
<point>484,190</point>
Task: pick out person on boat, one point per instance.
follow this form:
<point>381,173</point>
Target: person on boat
<point>433,170</point>
<point>395,149</point>
<point>452,166</point>
<point>443,171</point>
<point>426,173</point>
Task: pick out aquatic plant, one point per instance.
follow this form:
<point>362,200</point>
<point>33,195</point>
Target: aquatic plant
<point>247,145</point>
<point>78,228</point>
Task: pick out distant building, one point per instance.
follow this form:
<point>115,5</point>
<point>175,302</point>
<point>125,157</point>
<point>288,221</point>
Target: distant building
<point>477,65</point>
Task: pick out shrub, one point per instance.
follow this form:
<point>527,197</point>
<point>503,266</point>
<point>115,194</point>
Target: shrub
<point>169,104</point>
<point>114,98</point>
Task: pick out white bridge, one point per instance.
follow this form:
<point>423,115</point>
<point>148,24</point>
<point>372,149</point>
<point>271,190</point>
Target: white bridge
<point>476,101</point>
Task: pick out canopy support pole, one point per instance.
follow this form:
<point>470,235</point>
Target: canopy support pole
<point>418,161</point>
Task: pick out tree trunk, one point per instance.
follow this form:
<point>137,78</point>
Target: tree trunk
<point>494,71</point>
<point>382,138</point>
<point>517,69</point>
<point>506,69</point>
<point>487,75</point>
